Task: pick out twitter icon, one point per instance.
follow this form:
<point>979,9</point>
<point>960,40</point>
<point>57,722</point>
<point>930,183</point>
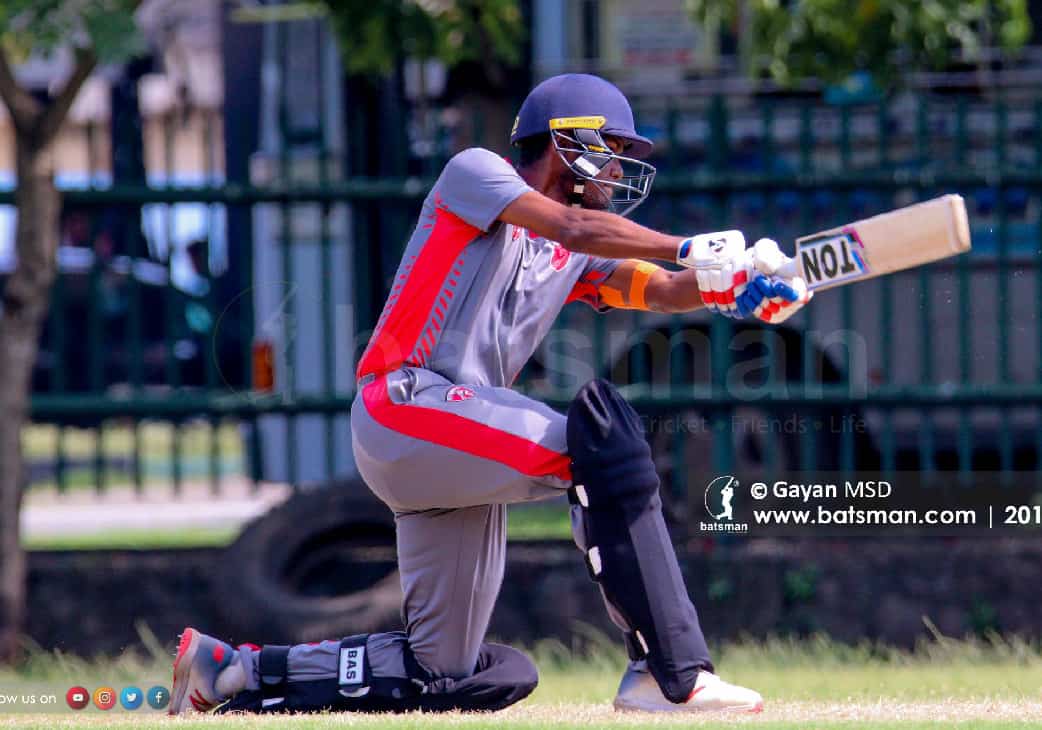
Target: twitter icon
<point>131,698</point>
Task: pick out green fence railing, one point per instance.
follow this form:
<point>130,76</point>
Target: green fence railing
<point>148,365</point>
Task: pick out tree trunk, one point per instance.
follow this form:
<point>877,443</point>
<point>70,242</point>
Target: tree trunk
<point>25,300</point>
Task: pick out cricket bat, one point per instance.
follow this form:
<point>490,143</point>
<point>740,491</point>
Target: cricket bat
<point>894,241</point>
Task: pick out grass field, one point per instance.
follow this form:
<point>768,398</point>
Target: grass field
<point>196,537</point>
<point>527,522</point>
<point>814,683</point>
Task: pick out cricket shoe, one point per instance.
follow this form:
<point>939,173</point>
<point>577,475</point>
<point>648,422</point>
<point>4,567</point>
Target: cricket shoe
<point>207,672</point>
<point>638,691</point>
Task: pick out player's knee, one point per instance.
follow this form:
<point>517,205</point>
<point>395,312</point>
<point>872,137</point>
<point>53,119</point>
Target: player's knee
<point>445,658</point>
<point>611,459</point>
<point>519,673</point>
<point>438,665</point>
<point>528,675</point>
<point>525,684</point>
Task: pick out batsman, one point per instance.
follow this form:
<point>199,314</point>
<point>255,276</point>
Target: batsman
<point>441,438</point>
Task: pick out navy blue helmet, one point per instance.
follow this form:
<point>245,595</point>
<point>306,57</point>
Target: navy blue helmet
<point>579,111</point>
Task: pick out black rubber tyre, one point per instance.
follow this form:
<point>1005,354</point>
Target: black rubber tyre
<point>322,565</point>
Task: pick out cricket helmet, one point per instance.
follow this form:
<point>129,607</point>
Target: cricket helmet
<point>579,111</point>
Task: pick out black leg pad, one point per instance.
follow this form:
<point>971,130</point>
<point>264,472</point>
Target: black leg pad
<point>629,552</point>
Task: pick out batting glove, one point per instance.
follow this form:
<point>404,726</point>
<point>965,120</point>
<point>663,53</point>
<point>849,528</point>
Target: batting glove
<point>730,283</point>
<point>791,292</point>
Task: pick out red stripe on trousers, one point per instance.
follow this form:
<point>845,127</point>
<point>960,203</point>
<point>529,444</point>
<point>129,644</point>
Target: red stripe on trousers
<point>462,434</point>
<point>401,332</point>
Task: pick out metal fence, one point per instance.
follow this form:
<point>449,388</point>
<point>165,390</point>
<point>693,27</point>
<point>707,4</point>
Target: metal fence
<point>201,324</point>
<point>935,370</point>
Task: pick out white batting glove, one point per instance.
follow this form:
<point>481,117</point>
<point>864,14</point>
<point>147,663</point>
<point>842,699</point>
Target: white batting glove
<point>791,291</point>
<point>721,266</point>
<point>732,280</point>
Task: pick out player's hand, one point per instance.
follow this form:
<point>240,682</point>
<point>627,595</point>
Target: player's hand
<point>779,298</point>
<point>732,279</point>
<point>722,267</point>
<point>791,292</point>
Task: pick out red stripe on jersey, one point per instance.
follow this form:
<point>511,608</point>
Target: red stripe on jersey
<point>583,292</point>
<point>462,434</point>
<point>400,334</point>
<point>587,289</point>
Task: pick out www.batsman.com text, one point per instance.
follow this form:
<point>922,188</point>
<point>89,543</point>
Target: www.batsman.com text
<point>901,504</point>
<point>848,516</point>
<point>853,516</point>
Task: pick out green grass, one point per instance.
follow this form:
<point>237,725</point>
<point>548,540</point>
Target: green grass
<point>821,669</point>
<point>564,718</point>
<point>196,537</point>
<point>539,522</point>
<point>982,683</point>
<point>529,522</point>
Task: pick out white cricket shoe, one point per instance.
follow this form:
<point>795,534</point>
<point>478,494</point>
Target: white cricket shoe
<point>638,691</point>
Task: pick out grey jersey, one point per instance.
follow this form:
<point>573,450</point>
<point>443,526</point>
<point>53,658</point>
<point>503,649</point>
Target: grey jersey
<point>474,297</point>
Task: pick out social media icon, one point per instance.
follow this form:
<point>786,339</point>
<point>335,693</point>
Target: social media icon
<point>104,698</point>
<point>158,697</point>
<point>77,697</point>
<point>131,698</point>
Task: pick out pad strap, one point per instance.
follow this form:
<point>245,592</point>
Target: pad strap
<point>577,495</point>
<point>272,664</point>
<point>354,673</point>
<point>635,646</point>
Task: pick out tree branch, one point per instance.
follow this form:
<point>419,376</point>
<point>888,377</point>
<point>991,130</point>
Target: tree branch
<point>24,109</point>
<point>58,109</point>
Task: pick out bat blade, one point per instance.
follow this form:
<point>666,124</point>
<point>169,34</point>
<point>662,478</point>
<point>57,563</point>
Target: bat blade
<point>901,239</point>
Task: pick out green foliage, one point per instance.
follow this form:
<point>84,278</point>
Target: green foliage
<point>41,26</point>
<point>720,588</point>
<point>539,522</point>
<point>830,39</point>
<point>801,585</point>
<point>374,34</point>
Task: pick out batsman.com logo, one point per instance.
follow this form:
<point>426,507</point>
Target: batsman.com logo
<point>719,503</point>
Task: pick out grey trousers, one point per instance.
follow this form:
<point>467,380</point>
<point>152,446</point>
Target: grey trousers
<point>447,459</point>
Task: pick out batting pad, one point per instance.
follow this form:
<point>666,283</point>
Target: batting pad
<point>628,549</point>
<point>357,683</point>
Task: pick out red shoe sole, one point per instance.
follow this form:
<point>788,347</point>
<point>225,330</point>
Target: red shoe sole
<point>184,647</point>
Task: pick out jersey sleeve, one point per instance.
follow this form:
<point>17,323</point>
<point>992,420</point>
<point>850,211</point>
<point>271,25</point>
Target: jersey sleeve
<point>477,185</point>
<point>587,289</point>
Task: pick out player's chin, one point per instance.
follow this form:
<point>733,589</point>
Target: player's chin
<point>598,201</point>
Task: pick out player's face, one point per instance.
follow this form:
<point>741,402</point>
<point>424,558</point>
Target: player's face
<point>598,197</point>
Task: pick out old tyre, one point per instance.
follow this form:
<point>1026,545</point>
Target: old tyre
<point>321,565</point>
